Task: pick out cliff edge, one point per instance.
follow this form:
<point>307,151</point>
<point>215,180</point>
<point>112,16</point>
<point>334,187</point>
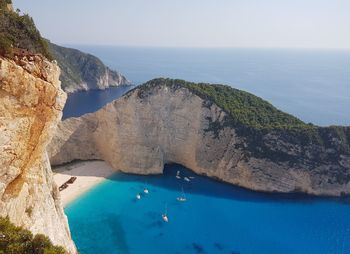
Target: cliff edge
<point>82,72</point>
<point>214,130</point>
<point>31,103</point>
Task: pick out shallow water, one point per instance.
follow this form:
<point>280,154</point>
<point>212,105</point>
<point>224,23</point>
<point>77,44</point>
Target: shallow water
<point>216,218</point>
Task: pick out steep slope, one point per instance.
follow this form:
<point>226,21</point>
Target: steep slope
<point>81,71</point>
<point>31,103</point>
<point>214,130</point>
<point>19,31</point>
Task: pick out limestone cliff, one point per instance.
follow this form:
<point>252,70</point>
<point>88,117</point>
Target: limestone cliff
<point>31,103</point>
<point>246,141</point>
<point>81,71</point>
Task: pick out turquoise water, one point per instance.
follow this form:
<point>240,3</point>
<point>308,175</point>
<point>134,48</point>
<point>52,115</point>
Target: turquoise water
<point>313,85</point>
<point>216,218</point>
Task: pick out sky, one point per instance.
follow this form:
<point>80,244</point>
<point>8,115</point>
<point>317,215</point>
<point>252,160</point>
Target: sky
<point>194,23</point>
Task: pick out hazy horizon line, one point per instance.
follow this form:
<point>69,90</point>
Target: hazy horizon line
<point>198,47</point>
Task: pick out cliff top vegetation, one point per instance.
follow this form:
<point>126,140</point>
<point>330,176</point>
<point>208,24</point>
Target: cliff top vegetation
<point>19,31</point>
<point>253,116</point>
<point>245,108</point>
<point>78,67</point>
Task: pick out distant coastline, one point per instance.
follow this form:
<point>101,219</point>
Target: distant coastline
<point>309,84</point>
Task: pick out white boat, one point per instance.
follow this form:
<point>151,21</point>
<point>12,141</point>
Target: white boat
<point>145,190</point>
<point>178,172</point>
<point>165,218</point>
<point>187,179</point>
<point>138,196</point>
<point>192,177</point>
<point>178,177</point>
<point>165,215</point>
<point>182,198</point>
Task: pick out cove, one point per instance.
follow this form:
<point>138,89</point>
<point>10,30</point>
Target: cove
<point>83,102</point>
<point>216,218</point>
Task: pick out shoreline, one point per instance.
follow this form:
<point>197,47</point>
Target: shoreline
<point>89,174</point>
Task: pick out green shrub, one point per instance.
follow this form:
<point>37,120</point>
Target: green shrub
<point>3,6</point>
<point>16,240</point>
<point>245,108</point>
<point>5,46</point>
<point>253,117</point>
<point>20,31</point>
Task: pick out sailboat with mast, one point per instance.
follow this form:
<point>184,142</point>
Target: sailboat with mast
<point>182,198</point>
<point>165,215</point>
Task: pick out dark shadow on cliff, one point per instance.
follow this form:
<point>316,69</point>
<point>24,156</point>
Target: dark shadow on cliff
<point>202,185</point>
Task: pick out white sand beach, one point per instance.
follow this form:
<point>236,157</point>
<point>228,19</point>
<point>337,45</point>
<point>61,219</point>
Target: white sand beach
<point>88,173</point>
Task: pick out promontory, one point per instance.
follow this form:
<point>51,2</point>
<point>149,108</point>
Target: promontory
<point>214,130</point>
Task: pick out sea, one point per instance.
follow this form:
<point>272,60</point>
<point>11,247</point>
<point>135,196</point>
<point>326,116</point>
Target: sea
<point>216,218</point>
<point>313,85</point>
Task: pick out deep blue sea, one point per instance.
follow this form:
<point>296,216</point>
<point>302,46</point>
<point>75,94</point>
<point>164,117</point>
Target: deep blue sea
<point>216,219</point>
<point>313,85</point>
<point>80,103</point>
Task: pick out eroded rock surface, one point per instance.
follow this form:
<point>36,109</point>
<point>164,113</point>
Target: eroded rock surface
<point>31,103</point>
<point>159,124</point>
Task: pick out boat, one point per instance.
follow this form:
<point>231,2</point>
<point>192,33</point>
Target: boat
<point>165,218</point>
<point>178,177</point>
<point>138,196</point>
<point>72,180</point>
<point>178,172</point>
<point>187,179</point>
<point>145,189</point>
<point>182,198</point>
<point>192,177</point>
<point>165,215</point>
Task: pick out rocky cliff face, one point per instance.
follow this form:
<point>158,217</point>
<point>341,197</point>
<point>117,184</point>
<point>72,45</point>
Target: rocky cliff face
<point>31,103</point>
<point>81,71</point>
<point>160,123</point>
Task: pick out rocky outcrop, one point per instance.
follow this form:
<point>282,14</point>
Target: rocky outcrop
<point>166,122</point>
<point>31,103</point>
<point>81,71</point>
